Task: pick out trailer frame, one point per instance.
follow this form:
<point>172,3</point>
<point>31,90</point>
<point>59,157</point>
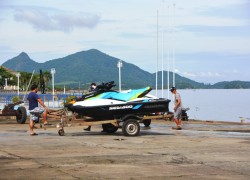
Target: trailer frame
<point>129,123</point>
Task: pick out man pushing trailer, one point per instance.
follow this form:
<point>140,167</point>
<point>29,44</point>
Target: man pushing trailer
<point>34,99</point>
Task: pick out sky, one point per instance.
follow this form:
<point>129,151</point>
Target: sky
<point>204,40</point>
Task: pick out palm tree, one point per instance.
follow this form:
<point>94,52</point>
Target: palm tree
<point>35,79</point>
<point>47,77</point>
<point>24,79</point>
<point>7,74</point>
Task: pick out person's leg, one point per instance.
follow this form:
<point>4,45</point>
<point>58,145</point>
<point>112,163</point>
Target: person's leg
<point>176,122</point>
<point>179,124</point>
<point>45,122</point>
<point>45,117</point>
<point>177,119</point>
<point>31,127</point>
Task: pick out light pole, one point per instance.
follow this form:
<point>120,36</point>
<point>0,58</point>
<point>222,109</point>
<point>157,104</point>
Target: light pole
<point>6,83</point>
<point>53,71</point>
<point>79,87</point>
<point>18,76</point>
<point>119,65</point>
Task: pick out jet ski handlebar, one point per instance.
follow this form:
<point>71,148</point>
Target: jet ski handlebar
<point>106,86</point>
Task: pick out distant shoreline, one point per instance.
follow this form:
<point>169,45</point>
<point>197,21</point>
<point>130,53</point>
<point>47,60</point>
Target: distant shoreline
<point>217,122</point>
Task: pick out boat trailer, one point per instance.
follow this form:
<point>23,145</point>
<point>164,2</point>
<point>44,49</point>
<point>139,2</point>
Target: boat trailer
<point>130,123</point>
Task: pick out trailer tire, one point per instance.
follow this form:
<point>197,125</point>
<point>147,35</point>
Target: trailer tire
<point>131,127</point>
<point>61,132</point>
<point>109,128</point>
<point>21,115</point>
<point>147,122</point>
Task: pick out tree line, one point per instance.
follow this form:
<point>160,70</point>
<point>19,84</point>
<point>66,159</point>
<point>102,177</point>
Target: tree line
<point>24,79</point>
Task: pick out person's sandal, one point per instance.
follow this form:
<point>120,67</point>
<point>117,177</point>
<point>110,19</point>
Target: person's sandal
<point>86,129</point>
<point>178,128</point>
<point>34,134</point>
<point>47,124</point>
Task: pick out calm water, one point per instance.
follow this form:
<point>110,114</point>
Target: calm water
<point>204,104</point>
<point>214,104</point>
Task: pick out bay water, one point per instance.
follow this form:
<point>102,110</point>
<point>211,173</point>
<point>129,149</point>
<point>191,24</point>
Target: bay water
<point>231,105</point>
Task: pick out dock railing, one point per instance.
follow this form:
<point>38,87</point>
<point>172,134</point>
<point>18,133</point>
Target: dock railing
<point>56,101</point>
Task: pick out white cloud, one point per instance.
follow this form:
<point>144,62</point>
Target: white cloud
<point>211,21</point>
<point>201,74</point>
<point>44,21</point>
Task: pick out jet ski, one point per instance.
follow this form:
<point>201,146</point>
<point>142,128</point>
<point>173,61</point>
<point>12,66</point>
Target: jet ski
<point>108,104</point>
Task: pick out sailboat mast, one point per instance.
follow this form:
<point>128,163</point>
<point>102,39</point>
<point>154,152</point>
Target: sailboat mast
<point>156,74</point>
<point>168,47</point>
<point>174,44</point>
<point>162,53</point>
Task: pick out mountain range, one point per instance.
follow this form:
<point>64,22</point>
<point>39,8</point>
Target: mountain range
<point>95,66</point>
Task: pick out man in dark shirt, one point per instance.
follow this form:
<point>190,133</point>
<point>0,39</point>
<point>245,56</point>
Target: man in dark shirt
<point>34,99</point>
<point>92,88</point>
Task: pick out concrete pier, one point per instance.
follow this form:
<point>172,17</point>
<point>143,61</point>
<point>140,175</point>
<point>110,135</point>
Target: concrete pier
<point>202,150</point>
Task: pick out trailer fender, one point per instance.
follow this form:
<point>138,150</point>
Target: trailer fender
<point>130,116</point>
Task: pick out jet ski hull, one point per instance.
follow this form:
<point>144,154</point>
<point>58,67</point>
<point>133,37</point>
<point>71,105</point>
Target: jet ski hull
<point>119,110</point>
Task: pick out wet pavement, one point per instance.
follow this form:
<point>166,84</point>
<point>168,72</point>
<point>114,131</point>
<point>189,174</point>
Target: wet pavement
<point>202,150</point>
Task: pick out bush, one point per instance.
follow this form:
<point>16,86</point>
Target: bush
<point>69,99</point>
<point>15,99</point>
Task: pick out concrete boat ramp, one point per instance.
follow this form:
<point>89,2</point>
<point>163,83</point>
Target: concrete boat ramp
<point>203,150</point>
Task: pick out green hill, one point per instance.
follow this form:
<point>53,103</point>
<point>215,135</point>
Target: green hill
<point>95,66</point>
<point>85,67</point>
<point>232,85</point>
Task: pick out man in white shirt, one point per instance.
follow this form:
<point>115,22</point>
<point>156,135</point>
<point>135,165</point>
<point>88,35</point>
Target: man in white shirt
<point>177,109</point>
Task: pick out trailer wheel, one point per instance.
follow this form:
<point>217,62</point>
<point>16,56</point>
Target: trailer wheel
<point>147,122</point>
<point>109,128</point>
<point>21,115</point>
<point>61,132</point>
<point>131,127</point>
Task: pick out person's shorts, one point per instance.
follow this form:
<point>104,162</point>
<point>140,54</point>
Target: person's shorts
<point>34,116</point>
<point>177,113</point>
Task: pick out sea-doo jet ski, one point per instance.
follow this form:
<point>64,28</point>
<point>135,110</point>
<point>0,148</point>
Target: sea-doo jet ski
<point>108,104</point>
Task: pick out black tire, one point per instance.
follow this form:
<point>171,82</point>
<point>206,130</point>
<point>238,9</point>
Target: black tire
<point>147,122</point>
<point>21,115</point>
<point>109,128</point>
<point>61,132</point>
<point>131,127</point>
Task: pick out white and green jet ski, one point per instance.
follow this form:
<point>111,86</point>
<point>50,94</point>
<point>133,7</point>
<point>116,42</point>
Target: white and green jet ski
<point>108,104</point>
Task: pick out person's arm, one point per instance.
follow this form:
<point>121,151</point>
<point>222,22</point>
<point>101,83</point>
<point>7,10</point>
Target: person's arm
<point>42,104</point>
